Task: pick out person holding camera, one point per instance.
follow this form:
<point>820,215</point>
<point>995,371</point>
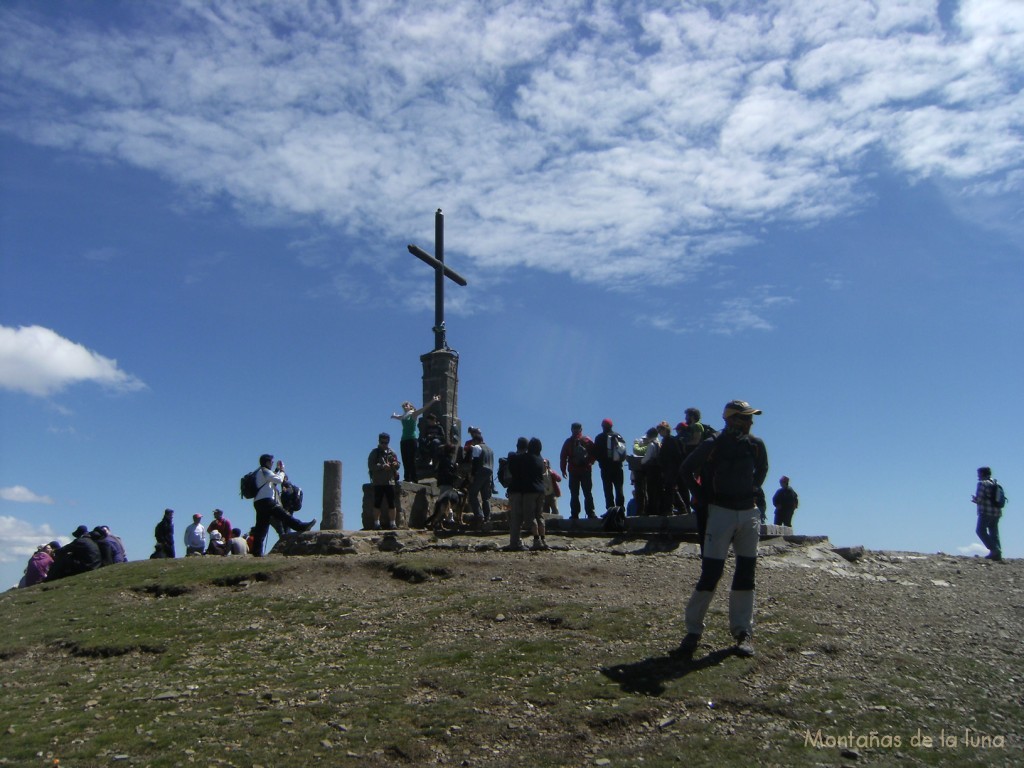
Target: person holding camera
<point>383,466</point>
<point>267,504</point>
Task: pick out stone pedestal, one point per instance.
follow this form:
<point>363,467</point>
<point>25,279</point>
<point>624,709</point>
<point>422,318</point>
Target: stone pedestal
<point>441,378</point>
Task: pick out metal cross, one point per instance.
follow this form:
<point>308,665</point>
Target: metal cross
<point>441,271</point>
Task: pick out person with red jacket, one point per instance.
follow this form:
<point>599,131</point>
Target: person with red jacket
<point>220,524</point>
<point>577,459</point>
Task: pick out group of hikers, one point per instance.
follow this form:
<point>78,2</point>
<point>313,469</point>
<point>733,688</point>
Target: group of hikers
<point>465,473</point>
<point>87,551</point>
<point>219,538</point>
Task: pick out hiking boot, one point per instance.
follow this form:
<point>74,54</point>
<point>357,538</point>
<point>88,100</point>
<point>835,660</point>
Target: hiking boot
<point>744,645</point>
<point>688,645</point>
<point>376,525</point>
<point>537,546</point>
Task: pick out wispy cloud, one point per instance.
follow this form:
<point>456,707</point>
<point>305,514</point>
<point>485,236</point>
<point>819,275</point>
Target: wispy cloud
<point>22,494</point>
<point>749,313</point>
<point>40,362</point>
<point>616,142</point>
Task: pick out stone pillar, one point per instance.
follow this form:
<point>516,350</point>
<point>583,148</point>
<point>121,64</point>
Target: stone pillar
<point>441,378</point>
<point>332,518</point>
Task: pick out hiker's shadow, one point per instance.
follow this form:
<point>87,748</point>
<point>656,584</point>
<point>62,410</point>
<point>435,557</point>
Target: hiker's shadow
<point>648,677</point>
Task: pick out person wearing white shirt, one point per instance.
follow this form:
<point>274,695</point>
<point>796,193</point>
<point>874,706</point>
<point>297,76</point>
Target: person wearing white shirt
<point>267,504</point>
<point>195,537</point>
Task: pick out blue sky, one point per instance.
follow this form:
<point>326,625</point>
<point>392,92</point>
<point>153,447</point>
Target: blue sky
<point>205,207</point>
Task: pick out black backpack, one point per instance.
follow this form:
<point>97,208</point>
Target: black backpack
<point>291,498</point>
<point>248,487</point>
<point>503,476</point>
<point>580,453</point>
<point>615,520</point>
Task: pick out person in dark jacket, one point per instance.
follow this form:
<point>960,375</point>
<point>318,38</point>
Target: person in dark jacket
<point>120,555</point>
<point>81,555</point>
<point>670,456</point>
<point>733,465</point>
<point>106,547</point>
<point>610,454</point>
<point>164,534</point>
<point>785,502</point>
<point>526,492</point>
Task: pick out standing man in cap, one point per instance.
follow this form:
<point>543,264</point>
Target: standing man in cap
<point>481,478</point>
<point>220,524</point>
<point>735,464</point>
<point>195,537</point>
<point>383,464</point>
<point>610,452</point>
<point>577,458</point>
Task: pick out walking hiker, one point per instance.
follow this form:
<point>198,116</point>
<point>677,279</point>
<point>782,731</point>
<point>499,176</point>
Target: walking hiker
<point>735,463</point>
<point>989,498</point>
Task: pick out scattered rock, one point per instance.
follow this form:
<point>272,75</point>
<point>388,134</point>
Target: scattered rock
<point>850,554</point>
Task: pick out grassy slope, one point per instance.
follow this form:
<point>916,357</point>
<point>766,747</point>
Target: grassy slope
<point>484,660</point>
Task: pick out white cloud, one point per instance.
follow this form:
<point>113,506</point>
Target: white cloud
<point>611,142</point>
<point>19,539</point>
<point>972,549</point>
<point>38,361</point>
<point>20,493</point>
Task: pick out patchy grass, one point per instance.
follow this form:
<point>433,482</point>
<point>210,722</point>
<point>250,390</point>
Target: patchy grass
<point>477,660</point>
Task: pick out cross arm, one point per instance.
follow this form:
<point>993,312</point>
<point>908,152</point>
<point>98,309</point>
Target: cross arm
<point>451,274</point>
